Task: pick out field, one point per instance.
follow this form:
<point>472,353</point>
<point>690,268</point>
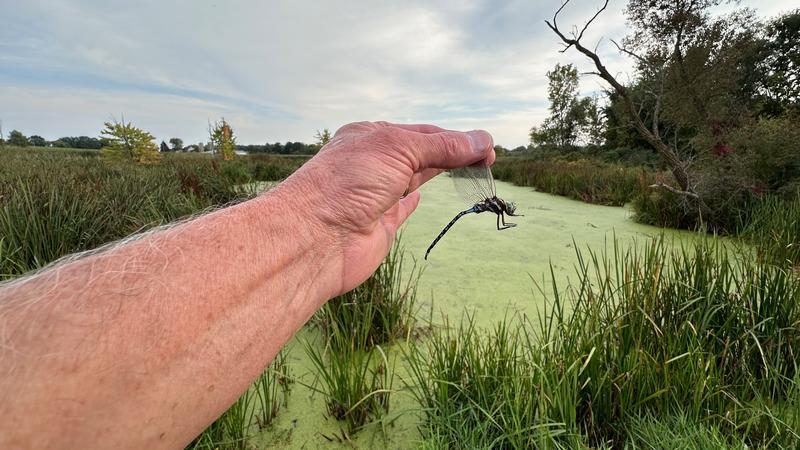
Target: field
<point>577,329</point>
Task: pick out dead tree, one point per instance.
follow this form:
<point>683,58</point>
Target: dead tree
<point>652,135</point>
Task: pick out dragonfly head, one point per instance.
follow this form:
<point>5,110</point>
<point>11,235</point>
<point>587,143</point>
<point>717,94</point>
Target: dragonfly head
<point>511,207</point>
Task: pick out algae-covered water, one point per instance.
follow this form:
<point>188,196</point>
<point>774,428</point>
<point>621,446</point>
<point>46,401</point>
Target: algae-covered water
<point>473,268</point>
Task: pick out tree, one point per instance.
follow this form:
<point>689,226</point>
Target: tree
<point>662,31</point>
<point>561,128</point>
<point>571,119</point>
<point>222,139</point>
<point>37,141</point>
<point>129,142</point>
<point>776,78</point>
<point>177,144</point>
<point>163,147</point>
<point>322,138</point>
<point>17,139</point>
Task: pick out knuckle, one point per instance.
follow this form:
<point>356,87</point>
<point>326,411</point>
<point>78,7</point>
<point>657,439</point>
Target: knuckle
<point>385,138</point>
<point>354,127</point>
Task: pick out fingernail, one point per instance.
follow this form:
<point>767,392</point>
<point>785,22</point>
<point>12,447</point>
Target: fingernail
<point>480,140</point>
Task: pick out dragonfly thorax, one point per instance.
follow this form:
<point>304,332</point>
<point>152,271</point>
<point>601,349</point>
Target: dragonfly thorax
<point>496,205</point>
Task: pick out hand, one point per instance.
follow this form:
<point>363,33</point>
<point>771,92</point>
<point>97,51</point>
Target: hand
<point>354,187</point>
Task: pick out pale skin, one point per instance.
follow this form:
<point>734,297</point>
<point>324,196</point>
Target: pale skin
<point>144,344</point>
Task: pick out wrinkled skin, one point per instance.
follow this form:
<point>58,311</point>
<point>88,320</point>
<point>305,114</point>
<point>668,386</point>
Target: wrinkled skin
<point>368,167</point>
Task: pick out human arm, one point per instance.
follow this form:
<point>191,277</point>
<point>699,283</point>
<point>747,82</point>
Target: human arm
<point>143,344</point>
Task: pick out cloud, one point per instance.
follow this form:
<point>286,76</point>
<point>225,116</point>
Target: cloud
<point>280,70</point>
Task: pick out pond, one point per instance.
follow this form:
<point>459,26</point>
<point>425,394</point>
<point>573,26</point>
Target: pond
<point>473,268</point>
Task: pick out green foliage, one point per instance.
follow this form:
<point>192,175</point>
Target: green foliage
<point>17,139</point>
<point>677,432</point>
<point>222,140</point>
<point>257,406</point>
<point>177,143</point>
<point>762,158</point>
<point>37,141</point>
<point>322,137</point>
<point>774,230</point>
<point>702,333</point>
<point>127,142</point>
<point>583,179</point>
<point>355,372</point>
<point>569,116</point>
<point>776,80</point>
<point>85,142</point>
<point>55,202</point>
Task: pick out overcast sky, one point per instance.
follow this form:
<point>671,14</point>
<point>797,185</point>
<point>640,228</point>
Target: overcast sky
<point>280,70</point>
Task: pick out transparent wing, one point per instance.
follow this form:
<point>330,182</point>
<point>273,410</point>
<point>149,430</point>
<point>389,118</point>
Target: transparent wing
<point>474,183</point>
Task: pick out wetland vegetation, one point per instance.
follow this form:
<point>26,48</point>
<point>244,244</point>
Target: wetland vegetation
<point>649,297</point>
<point>603,342</point>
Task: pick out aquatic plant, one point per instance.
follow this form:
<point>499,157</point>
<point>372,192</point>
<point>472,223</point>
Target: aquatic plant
<point>355,372</point>
<point>590,181</point>
<point>258,405</point>
<point>774,229</point>
<point>378,311</point>
<point>702,332</point>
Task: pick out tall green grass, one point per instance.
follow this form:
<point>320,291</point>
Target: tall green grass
<point>774,229</point>
<point>702,333</point>
<point>590,181</point>
<point>355,373</point>
<point>53,203</point>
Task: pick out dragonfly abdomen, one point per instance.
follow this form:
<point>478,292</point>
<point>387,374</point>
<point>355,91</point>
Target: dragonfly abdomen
<point>475,209</point>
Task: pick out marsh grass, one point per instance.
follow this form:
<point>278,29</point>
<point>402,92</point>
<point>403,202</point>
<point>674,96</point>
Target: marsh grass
<point>253,411</point>
<point>272,388</point>
<point>774,229</point>
<point>381,309</point>
<point>355,373</point>
<point>703,332</point>
<point>53,203</point>
<point>587,180</point>
<point>356,383</point>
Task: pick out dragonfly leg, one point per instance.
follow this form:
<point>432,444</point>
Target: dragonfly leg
<point>502,218</point>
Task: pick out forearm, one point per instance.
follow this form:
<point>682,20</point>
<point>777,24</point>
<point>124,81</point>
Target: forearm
<point>151,339</point>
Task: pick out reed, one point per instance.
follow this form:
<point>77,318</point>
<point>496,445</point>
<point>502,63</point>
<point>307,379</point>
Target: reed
<point>774,229</point>
<point>702,333</point>
<point>355,373</point>
<point>272,389</point>
<point>53,203</point>
<point>590,181</point>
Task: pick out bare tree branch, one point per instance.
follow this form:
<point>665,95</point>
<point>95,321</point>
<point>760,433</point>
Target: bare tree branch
<point>667,153</point>
<point>628,52</point>
<point>676,191</point>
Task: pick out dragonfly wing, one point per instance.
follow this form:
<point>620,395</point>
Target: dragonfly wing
<point>474,183</point>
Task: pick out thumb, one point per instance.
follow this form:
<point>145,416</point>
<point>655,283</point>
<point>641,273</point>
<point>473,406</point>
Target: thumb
<point>446,149</point>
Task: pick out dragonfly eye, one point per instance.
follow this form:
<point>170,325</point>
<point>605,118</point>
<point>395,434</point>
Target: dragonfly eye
<point>511,207</point>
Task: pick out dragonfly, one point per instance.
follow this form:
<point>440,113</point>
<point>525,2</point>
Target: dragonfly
<point>476,185</point>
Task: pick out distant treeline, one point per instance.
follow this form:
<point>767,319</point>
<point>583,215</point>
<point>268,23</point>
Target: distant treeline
<point>75,142</point>
<point>289,148</point>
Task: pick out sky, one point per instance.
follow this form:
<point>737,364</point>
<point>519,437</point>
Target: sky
<point>280,70</point>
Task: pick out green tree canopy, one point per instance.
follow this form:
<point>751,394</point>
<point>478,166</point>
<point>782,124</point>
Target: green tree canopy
<point>177,143</point>
<point>223,140</point>
<point>16,138</point>
<point>570,118</point>
<point>322,137</point>
<point>37,141</point>
<point>126,141</point>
